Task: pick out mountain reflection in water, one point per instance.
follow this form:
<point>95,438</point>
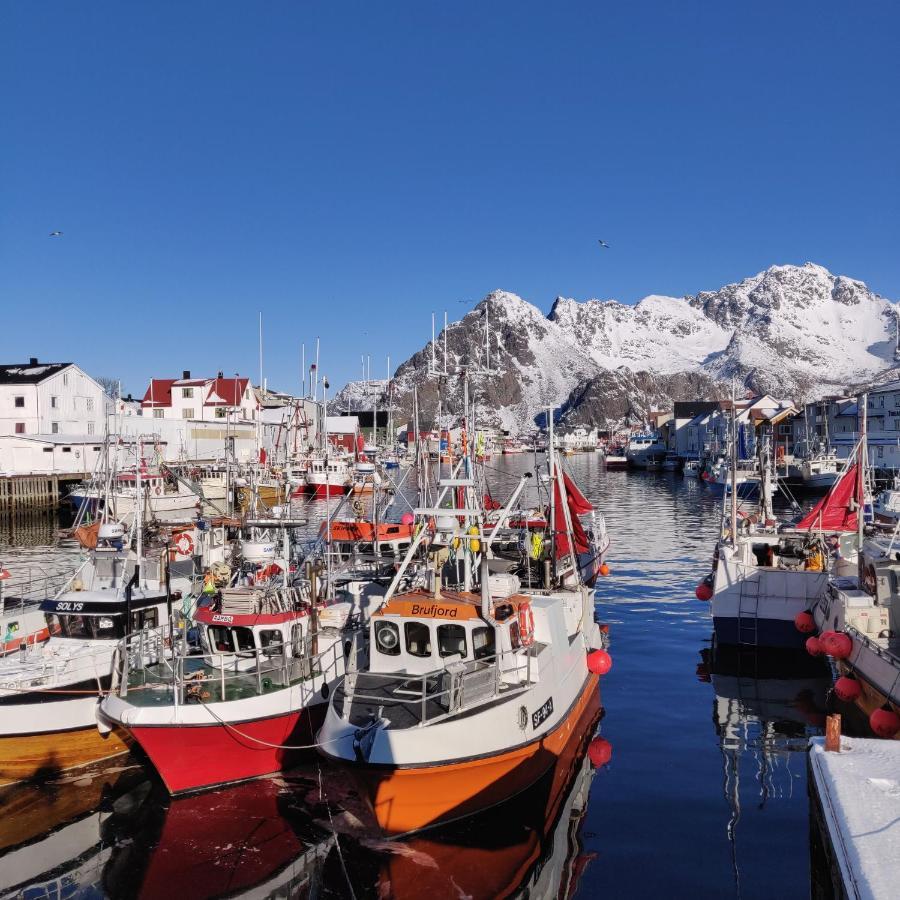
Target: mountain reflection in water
<point>658,820</point>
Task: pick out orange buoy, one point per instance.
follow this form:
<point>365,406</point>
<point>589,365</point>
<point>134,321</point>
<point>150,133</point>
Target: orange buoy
<point>804,622</point>
<point>847,688</point>
<point>604,569</point>
<point>704,590</point>
<point>814,646</point>
<point>836,644</point>
<point>884,722</point>
<point>599,662</point>
<point>599,752</point>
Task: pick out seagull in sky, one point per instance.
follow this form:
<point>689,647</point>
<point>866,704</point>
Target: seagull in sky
<point>55,234</point>
<point>603,244</point>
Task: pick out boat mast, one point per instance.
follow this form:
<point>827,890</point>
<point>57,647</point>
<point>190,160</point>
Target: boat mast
<point>733,466</point>
<point>861,480</point>
<point>552,463</point>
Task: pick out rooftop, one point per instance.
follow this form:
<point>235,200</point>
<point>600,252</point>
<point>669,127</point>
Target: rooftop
<point>32,372</point>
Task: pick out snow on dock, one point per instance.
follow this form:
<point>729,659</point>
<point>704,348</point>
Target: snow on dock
<point>859,795</point>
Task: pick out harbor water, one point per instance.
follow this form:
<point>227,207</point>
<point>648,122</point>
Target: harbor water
<point>699,788</point>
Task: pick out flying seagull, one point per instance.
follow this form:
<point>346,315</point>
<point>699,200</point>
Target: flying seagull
<point>55,234</point>
<point>603,244</point>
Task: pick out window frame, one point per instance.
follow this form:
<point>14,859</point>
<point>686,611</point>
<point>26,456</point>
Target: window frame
<point>462,628</point>
<point>407,626</point>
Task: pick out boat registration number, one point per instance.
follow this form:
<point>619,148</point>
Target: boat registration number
<point>68,606</point>
<point>220,618</point>
<point>542,714</point>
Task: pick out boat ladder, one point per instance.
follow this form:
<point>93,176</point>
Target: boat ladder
<point>748,612</point>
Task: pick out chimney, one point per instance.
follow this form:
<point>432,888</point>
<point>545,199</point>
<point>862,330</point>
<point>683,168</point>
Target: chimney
<point>218,374</point>
<point>186,374</point>
<point>33,361</point>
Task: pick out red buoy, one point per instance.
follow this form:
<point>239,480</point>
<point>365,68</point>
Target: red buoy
<point>884,722</point>
<point>604,569</point>
<point>804,622</point>
<point>814,646</point>
<point>599,662</point>
<point>704,591</point>
<point>847,688</point>
<point>836,644</point>
<point>599,752</point>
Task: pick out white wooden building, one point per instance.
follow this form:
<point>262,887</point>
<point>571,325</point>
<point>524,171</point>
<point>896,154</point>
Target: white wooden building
<point>50,399</point>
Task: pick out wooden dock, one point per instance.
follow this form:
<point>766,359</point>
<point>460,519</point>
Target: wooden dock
<point>855,801</point>
<point>19,493</point>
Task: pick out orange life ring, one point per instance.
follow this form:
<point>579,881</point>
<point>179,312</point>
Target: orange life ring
<point>526,625</point>
<point>184,544</point>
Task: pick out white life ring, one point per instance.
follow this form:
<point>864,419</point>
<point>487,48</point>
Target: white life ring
<point>184,544</point>
<point>158,490</point>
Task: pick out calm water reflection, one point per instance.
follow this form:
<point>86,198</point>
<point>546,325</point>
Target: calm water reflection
<point>705,794</point>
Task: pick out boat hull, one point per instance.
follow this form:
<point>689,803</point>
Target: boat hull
<point>197,757</point>
<point>24,757</point>
<point>326,490</point>
<point>412,798</point>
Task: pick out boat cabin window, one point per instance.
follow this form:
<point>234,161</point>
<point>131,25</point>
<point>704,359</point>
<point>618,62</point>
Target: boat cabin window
<point>86,628</point>
<point>483,642</point>
<point>451,640</point>
<point>418,638</point>
<point>144,618</point>
<point>271,642</point>
<point>230,640</point>
<point>387,638</point>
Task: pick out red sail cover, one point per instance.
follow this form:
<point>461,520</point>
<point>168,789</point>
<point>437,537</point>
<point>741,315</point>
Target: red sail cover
<point>833,512</point>
<point>578,505</point>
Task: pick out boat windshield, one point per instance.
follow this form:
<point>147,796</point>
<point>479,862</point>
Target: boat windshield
<point>99,628</point>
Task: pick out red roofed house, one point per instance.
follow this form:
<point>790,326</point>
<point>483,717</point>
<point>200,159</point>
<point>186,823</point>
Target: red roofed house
<point>204,399</point>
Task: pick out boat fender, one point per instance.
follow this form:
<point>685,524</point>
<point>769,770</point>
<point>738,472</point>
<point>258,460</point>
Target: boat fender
<point>704,590</point>
<point>599,752</point>
<point>836,644</point>
<point>599,662</point>
<point>884,722</point>
<point>526,625</point>
<point>848,689</point>
<point>804,622</point>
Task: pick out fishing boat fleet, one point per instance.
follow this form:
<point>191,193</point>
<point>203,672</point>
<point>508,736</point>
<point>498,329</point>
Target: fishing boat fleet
<point>827,581</point>
<point>234,621</point>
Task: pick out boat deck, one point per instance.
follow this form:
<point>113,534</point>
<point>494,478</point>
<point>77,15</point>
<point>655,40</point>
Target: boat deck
<point>858,792</point>
<point>153,686</point>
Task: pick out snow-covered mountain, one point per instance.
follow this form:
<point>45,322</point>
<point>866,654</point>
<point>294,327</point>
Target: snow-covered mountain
<point>797,331</point>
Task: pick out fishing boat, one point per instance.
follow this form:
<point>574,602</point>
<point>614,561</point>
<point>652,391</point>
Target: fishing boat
<point>328,474</point>
<point>249,702</point>
<point>671,462</point>
<point>614,458</point>
<point>472,690</point>
<point>49,693</point>
<point>820,470</point>
<point>858,623</point>
<point>160,496</point>
<point>886,506</point>
<point>765,573</point>
<point>692,468</point>
<point>642,447</point>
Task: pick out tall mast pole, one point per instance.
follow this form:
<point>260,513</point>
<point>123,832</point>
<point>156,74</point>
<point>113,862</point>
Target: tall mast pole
<point>862,461</point>
<point>733,466</point>
<point>552,461</point>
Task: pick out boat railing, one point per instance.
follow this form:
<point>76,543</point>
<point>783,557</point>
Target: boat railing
<point>32,585</point>
<point>145,662</point>
<point>441,693</point>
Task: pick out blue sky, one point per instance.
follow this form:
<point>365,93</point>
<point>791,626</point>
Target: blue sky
<point>349,167</point>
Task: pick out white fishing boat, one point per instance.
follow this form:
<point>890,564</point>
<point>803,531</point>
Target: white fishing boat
<point>470,692</point>
<point>821,470</point>
<point>328,474</point>
<point>764,574</point>
<point>160,496</point>
<point>886,506</point>
<point>49,693</point>
<point>692,468</point>
<point>858,620</point>
<point>643,447</point>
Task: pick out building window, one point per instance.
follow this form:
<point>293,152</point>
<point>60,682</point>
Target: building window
<point>187,393</point>
<point>90,404</point>
<point>66,449</point>
<point>20,428</point>
<point>90,427</point>
<point>48,449</point>
<point>158,413</point>
<point>54,428</point>
<point>19,402</point>
<point>187,413</point>
<point>65,378</point>
<point>221,412</point>
<point>54,403</point>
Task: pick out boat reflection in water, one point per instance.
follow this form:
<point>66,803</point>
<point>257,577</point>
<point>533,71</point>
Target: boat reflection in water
<point>309,832</point>
<point>767,705</point>
<point>55,836</point>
